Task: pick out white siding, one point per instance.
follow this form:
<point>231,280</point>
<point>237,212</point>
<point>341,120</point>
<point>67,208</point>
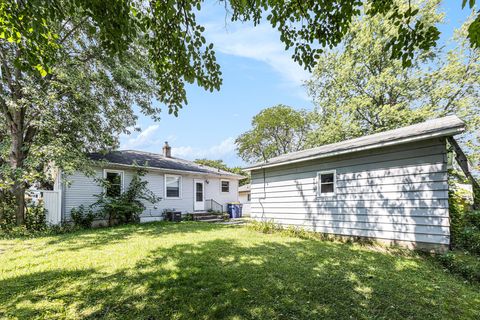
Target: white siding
<point>243,198</point>
<point>81,189</point>
<point>213,191</point>
<point>392,193</point>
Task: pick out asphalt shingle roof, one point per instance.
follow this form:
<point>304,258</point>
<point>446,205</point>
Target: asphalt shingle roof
<point>154,160</point>
<point>449,125</point>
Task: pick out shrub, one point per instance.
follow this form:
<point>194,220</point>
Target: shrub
<point>7,212</point>
<point>459,206</point>
<point>463,264</point>
<point>128,206</point>
<point>82,217</point>
<point>187,217</point>
<point>464,224</point>
<point>268,226</point>
<point>35,217</point>
<point>473,218</point>
<point>469,239</point>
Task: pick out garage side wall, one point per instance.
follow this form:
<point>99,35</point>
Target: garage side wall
<point>398,194</point>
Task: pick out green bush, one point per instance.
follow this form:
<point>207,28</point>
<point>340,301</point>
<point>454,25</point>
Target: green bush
<point>473,218</point>
<point>463,264</point>
<point>22,232</point>
<point>469,239</point>
<point>127,206</point>
<point>35,217</point>
<point>464,223</point>
<point>7,212</point>
<point>459,207</point>
<point>82,217</point>
<point>268,226</point>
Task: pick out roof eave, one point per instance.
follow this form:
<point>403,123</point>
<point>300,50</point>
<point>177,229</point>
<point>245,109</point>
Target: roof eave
<point>441,133</point>
<point>175,171</point>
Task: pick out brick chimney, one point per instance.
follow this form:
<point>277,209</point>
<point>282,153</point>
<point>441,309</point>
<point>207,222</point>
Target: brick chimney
<point>167,150</point>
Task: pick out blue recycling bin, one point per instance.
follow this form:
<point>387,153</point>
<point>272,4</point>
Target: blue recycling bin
<point>234,210</point>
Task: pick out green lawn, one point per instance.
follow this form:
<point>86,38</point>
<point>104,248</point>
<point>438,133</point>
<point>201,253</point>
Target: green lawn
<point>205,271</point>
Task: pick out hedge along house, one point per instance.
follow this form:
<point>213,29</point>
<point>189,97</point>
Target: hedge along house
<point>391,186</point>
<point>182,185</point>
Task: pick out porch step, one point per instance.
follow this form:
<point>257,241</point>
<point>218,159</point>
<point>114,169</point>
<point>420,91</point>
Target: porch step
<point>206,216</point>
<point>211,220</point>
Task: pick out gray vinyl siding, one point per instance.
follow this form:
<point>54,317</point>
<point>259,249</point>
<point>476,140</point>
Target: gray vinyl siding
<point>80,189</point>
<point>392,193</point>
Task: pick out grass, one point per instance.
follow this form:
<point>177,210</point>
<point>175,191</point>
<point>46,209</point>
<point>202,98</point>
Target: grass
<point>205,271</point>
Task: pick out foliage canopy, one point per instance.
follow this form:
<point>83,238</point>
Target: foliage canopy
<point>275,131</point>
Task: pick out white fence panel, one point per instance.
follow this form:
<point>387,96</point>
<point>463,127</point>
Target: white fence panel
<point>246,209</point>
<point>52,203</point>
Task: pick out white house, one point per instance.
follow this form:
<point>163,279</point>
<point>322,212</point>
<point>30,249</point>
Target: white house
<point>183,185</point>
<point>390,186</point>
<point>244,198</point>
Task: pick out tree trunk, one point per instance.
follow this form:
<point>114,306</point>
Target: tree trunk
<point>19,193</point>
<point>16,163</point>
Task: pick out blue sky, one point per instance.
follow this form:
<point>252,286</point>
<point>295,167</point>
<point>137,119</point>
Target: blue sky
<point>257,73</point>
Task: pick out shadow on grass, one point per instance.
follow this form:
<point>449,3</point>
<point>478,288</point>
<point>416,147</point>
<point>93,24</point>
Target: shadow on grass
<point>227,279</point>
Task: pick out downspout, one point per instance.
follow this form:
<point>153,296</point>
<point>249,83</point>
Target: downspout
<point>264,194</point>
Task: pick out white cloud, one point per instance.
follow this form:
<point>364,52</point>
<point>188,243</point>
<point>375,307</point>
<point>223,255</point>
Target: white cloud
<point>225,147</point>
<point>145,138</point>
<point>261,43</point>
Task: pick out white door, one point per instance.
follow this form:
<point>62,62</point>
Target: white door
<point>199,203</point>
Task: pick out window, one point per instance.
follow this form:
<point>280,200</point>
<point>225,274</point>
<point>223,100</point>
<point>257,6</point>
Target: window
<point>225,186</point>
<point>249,197</point>
<point>326,183</point>
<point>114,186</point>
<point>199,192</point>
<point>172,186</point>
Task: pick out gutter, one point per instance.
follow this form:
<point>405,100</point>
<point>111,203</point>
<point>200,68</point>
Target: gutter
<point>443,133</point>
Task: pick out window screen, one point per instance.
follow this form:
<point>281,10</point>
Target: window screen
<point>326,182</point>
<point>199,192</point>
<point>225,186</point>
<point>114,183</point>
<point>173,186</point>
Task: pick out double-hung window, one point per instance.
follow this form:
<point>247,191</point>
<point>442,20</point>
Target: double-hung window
<point>173,186</point>
<point>326,183</point>
<point>225,186</point>
<point>114,185</point>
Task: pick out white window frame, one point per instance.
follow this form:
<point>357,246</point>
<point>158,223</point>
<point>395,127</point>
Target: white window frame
<point>229,185</point>
<point>122,178</point>
<point>180,183</point>
<point>319,183</point>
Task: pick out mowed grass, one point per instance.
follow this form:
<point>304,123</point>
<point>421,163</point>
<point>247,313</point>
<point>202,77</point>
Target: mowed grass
<point>205,271</point>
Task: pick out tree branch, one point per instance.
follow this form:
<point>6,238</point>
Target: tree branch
<point>74,28</point>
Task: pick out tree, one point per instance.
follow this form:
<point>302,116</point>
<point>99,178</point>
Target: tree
<point>219,164</point>
<point>72,70</point>
<point>358,90</point>
<point>41,42</point>
<point>307,26</point>
<point>275,131</point>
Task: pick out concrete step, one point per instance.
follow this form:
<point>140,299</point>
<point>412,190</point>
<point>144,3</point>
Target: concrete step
<point>202,216</point>
<point>211,220</point>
